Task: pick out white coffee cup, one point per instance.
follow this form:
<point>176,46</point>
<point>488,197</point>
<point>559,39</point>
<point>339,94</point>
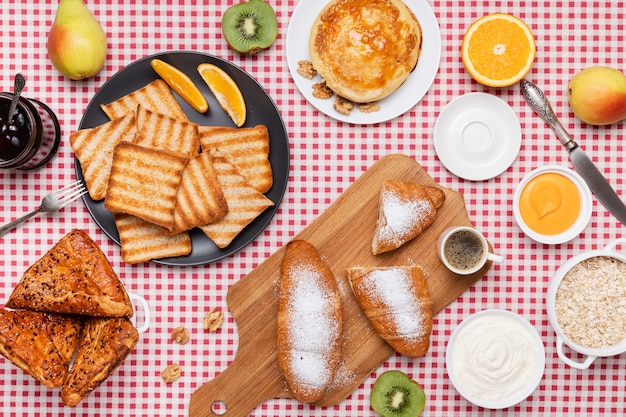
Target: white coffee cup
<point>464,250</point>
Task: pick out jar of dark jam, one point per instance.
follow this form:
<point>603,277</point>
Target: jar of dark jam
<point>33,136</point>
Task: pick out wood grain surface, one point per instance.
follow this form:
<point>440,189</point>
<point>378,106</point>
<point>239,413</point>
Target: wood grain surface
<point>343,236</point>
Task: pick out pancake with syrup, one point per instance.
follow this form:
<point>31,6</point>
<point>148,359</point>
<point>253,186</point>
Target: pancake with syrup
<point>365,49</point>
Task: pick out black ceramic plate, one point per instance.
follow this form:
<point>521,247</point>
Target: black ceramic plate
<point>261,109</point>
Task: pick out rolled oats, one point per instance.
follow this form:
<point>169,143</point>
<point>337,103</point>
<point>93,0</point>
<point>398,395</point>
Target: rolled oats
<point>590,302</point>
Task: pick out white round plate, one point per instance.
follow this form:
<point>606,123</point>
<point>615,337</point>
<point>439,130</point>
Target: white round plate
<point>397,103</point>
<point>477,136</point>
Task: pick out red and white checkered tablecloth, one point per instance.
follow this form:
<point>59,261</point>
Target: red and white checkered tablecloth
<point>326,158</point>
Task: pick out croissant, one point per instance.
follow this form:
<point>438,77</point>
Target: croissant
<point>309,326</point>
<point>405,209</point>
<point>396,302</point>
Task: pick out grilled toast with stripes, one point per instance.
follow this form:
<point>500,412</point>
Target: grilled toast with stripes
<point>156,96</point>
<point>159,131</point>
<point>94,149</point>
<point>144,182</point>
<point>247,148</point>
<point>245,203</point>
<point>200,198</point>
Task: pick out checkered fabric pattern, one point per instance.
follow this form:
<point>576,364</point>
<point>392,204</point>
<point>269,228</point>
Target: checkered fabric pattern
<point>326,158</point>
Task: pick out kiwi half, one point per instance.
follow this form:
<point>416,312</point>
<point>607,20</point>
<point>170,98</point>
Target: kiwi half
<point>396,395</point>
<point>250,26</point>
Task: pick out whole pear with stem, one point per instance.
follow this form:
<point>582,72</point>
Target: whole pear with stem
<point>77,44</point>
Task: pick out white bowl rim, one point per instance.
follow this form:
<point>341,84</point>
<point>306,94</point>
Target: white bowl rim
<point>555,281</point>
<point>532,384</point>
<point>585,210</point>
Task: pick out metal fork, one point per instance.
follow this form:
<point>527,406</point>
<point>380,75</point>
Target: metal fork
<point>51,203</point>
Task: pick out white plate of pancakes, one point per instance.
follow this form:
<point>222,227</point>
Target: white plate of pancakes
<point>261,110</point>
<point>397,103</point>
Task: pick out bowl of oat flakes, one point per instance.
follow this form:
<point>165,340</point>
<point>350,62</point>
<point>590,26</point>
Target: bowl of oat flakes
<point>586,305</point>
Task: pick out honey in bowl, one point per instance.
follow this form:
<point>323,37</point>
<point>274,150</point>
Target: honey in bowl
<point>550,203</point>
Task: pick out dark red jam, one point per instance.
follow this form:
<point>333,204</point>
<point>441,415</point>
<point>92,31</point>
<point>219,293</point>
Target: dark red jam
<point>14,137</point>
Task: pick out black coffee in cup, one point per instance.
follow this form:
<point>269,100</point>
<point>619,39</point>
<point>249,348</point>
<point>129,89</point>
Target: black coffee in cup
<point>464,250</point>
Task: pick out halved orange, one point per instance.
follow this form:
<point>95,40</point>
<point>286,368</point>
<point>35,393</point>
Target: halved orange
<point>226,92</point>
<point>181,84</point>
<point>498,50</point>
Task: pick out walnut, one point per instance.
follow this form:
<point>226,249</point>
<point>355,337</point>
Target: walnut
<point>321,90</point>
<point>305,68</point>
<point>213,320</point>
<point>180,335</point>
<point>171,373</point>
<point>343,106</point>
<point>369,107</point>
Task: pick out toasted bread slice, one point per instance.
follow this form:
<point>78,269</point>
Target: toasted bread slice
<point>159,131</point>
<point>105,343</point>
<point>74,277</point>
<point>142,241</point>
<point>144,182</point>
<point>94,149</point>
<point>245,203</point>
<point>405,209</point>
<point>200,198</point>
<point>246,148</point>
<point>41,344</point>
<point>155,96</point>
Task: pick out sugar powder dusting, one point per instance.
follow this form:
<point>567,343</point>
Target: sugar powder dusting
<point>313,328</point>
<point>394,288</point>
<point>402,216</point>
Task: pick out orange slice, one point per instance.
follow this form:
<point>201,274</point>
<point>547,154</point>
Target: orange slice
<point>226,92</point>
<point>181,84</point>
<point>498,50</point>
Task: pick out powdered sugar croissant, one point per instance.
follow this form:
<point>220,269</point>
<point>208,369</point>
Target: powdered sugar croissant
<point>396,302</point>
<point>405,209</point>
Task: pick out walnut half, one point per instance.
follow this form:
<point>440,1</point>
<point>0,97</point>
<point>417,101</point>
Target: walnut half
<point>213,320</point>
<point>180,335</point>
<point>171,373</point>
<point>305,68</point>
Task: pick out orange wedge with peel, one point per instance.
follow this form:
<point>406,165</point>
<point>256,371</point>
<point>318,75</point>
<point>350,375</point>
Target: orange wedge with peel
<point>226,92</point>
<point>498,50</point>
<point>181,84</point>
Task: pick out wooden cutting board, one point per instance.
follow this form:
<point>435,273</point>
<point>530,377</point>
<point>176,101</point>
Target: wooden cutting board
<point>343,236</point>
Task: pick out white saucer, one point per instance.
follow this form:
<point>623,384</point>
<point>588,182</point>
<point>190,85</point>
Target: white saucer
<point>477,136</point>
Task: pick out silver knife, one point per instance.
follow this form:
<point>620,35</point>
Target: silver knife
<point>584,166</point>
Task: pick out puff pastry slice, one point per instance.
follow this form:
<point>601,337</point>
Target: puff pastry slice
<point>106,342</point>
<point>41,344</point>
<point>74,277</point>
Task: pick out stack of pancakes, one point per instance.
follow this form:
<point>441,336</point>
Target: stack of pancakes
<point>365,49</point>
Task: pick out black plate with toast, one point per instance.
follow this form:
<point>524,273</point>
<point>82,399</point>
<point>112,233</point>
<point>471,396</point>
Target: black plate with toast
<point>261,109</point>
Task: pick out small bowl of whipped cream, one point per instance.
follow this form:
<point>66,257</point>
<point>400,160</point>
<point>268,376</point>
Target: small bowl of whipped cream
<point>495,359</point>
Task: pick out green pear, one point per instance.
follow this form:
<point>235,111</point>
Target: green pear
<point>597,95</point>
<point>77,45</point>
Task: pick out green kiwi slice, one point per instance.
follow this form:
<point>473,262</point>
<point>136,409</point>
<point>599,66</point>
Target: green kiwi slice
<point>250,26</point>
<point>396,395</point>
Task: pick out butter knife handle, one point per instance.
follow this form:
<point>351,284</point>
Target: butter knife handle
<point>539,103</point>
